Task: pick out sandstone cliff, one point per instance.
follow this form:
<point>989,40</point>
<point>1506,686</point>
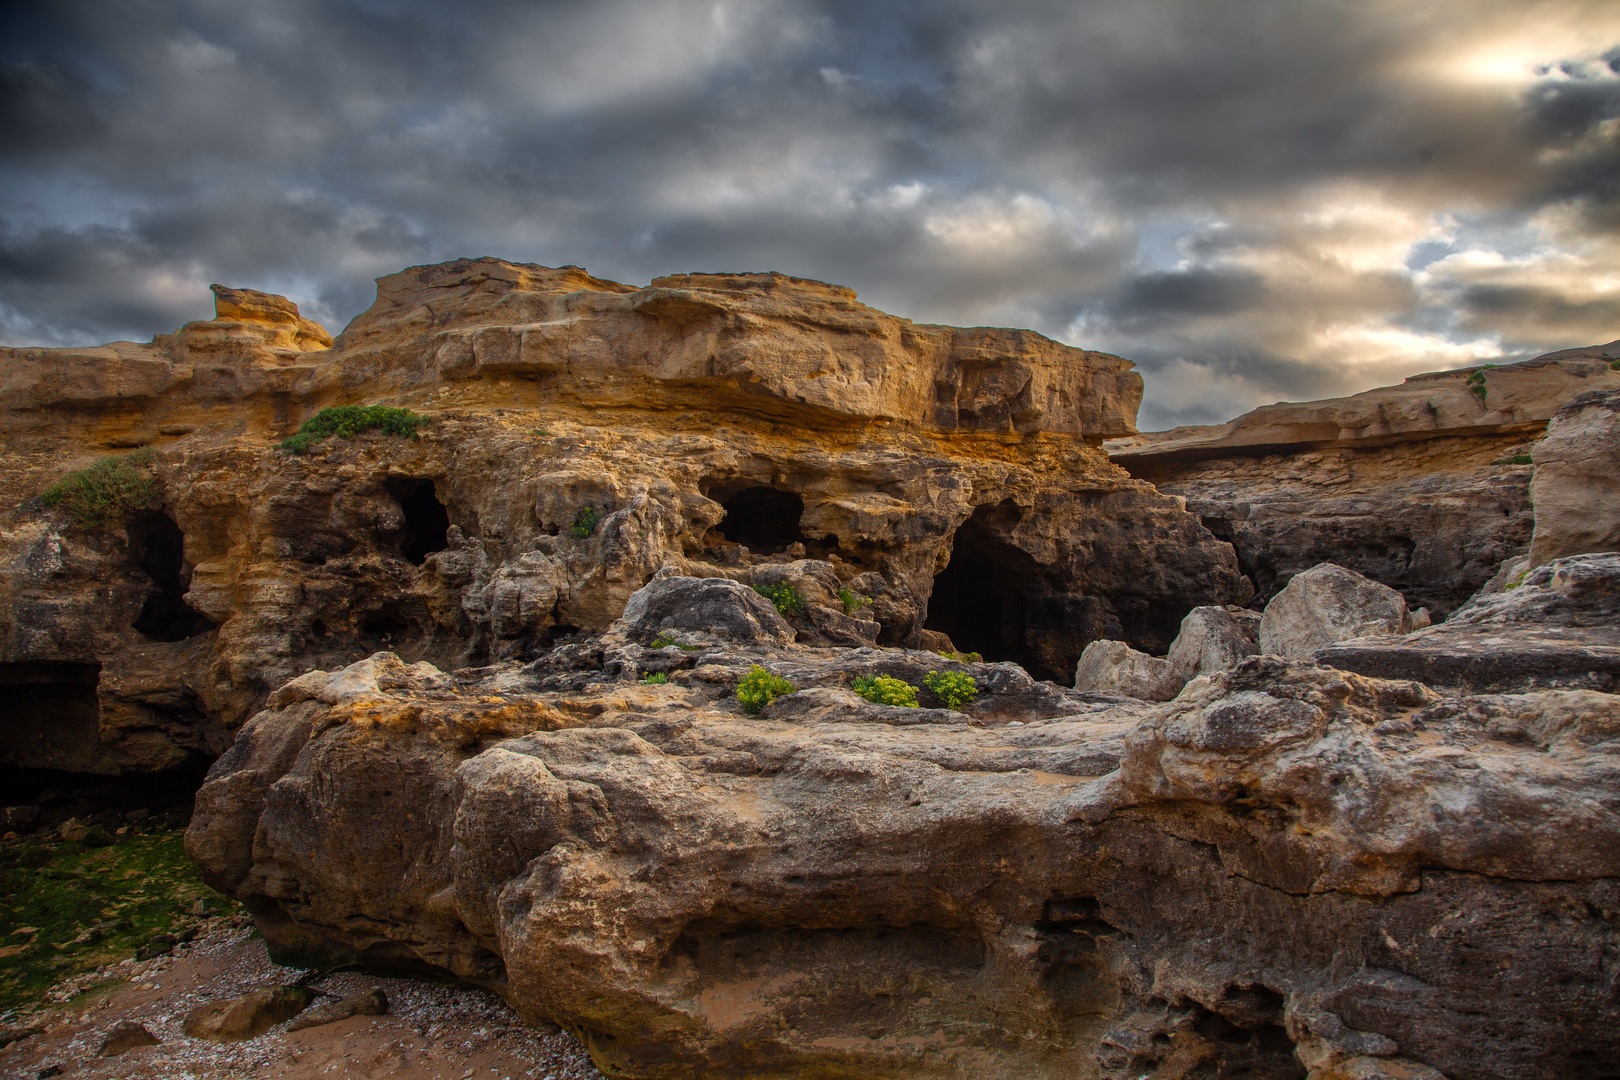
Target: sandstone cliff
<point>1422,486</point>
<point>752,426</point>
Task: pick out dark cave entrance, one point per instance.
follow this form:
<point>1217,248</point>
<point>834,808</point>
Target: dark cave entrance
<point>159,548</point>
<point>427,522</point>
<point>983,598</point>
<point>762,519</point>
<point>51,710</point>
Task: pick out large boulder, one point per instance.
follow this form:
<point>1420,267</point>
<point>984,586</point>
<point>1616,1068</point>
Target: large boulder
<point>1212,640</point>
<point>702,609</point>
<point>1113,667</point>
<point>1328,603</point>
<point>1576,485</point>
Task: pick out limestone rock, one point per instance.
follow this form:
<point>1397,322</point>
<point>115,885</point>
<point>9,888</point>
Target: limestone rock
<point>371,1003</point>
<point>1247,875</point>
<point>1113,667</point>
<point>247,1016</point>
<point>1557,627</point>
<point>1576,486</point>
<point>704,609</point>
<point>126,1035</point>
<point>1422,486</point>
<point>1328,603</point>
<point>1212,640</point>
<point>756,428</point>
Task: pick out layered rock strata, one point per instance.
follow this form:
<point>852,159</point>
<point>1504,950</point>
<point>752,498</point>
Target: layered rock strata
<point>1288,870</point>
<point>578,435</point>
<point>1424,487</point>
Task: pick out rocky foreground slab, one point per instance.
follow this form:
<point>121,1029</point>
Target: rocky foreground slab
<point>1287,870</point>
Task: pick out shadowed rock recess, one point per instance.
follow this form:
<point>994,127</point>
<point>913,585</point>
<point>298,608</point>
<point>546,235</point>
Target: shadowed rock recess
<point>473,695</point>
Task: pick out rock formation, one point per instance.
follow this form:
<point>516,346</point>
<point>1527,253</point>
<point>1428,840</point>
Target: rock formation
<point>1423,486</point>
<point>474,693</point>
<point>757,427</point>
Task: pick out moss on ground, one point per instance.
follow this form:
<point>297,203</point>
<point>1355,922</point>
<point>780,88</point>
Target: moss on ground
<point>67,909</point>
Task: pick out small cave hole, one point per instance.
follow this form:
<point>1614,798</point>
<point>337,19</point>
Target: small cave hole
<point>159,548</point>
<point>762,519</point>
<point>982,598</point>
<point>383,624</point>
<point>318,628</point>
<point>427,522</point>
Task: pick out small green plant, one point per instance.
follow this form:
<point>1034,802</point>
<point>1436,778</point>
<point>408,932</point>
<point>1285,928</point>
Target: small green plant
<point>964,657</point>
<point>346,421</point>
<point>759,688</point>
<point>1614,365</point>
<point>664,640</point>
<point>585,522</point>
<point>954,688</point>
<point>885,690</point>
<point>1476,381</point>
<point>657,678</point>
<point>107,492</point>
<point>1517,459</point>
<point>853,601</point>
<point>784,598</point>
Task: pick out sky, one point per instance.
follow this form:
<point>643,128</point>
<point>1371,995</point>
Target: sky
<point>1254,200</point>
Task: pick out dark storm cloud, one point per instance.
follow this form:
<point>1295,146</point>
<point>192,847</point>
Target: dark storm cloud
<point>1235,195</point>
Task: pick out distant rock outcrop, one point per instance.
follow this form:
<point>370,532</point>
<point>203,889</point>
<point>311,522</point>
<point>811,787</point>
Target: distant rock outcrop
<point>1424,486</point>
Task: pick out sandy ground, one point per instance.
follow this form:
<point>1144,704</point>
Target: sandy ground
<point>431,1032</point>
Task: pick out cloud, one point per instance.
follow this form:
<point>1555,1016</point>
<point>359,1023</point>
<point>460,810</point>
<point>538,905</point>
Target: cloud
<point>1254,201</point>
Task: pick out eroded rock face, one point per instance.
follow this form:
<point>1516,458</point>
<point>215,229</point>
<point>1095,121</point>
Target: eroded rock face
<point>579,437</point>
<point>1288,866</point>
<point>1423,487</point>
<point>1113,667</point>
<point>1576,487</point>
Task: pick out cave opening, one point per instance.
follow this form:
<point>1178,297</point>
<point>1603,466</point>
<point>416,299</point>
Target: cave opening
<point>982,599</point>
<point>159,548</point>
<point>762,519</point>
<point>427,522</point>
<point>52,716</point>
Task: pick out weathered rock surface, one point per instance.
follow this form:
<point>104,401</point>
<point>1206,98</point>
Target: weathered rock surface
<point>1212,640</point>
<point>753,427</point>
<point>1113,667</point>
<point>247,1016</point>
<point>1423,487</point>
<point>371,1003</point>
<point>125,1036</point>
<point>1288,867</point>
<point>1558,627</point>
<point>1576,486</point>
<point>1328,603</point>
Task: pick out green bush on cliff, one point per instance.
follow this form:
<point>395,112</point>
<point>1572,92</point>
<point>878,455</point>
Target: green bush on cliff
<point>1476,381</point>
<point>107,492</point>
<point>885,690</point>
<point>346,421</point>
<point>954,688</point>
<point>853,601</point>
<point>759,688</point>
<point>585,523</point>
<point>784,598</point>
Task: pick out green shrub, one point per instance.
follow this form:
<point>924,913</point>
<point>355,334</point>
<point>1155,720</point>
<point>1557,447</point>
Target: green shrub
<point>346,421</point>
<point>964,657</point>
<point>107,492</point>
<point>1517,459</point>
<point>784,598</point>
<point>585,522</point>
<point>853,602</point>
<point>1476,381</point>
<point>1614,365</point>
<point>885,690</point>
<point>759,688</point>
<point>664,640</point>
<point>954,688</point>
<point>657,678</point>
